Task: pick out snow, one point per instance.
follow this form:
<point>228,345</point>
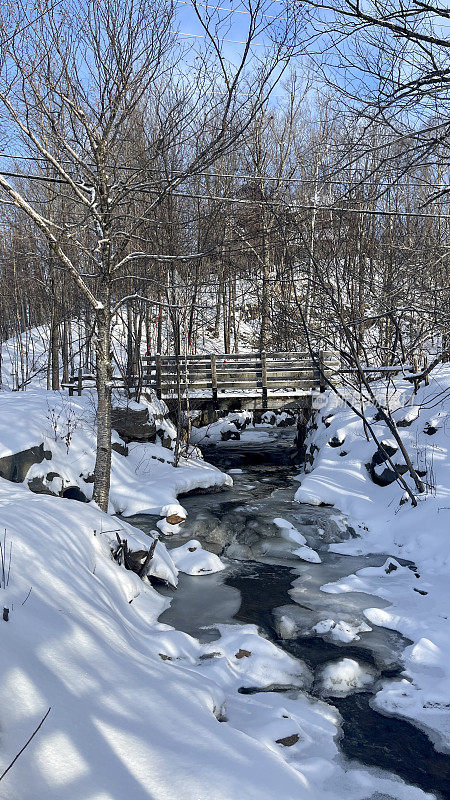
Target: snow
<point>166,528</point>
<point>326,775</point>
<point>307,554</point>
<point>139,709</point>
<point>243,658</point>
<point>340,631</point>
<point>193,560</point>
<point>86,643</point>
<point>289,532</point>
<point>142,482</point>
<point>419,602</point>
<point>173,509</point>
<point>406,415</point>
<point>344,677</point>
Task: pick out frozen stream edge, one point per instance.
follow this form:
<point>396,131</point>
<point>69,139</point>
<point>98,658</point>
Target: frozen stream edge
<point>265,562</point>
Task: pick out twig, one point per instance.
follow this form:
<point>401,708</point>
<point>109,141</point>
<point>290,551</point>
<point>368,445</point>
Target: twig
<point>143,570</point>
<point>27,596</point>
<point>26,744</point>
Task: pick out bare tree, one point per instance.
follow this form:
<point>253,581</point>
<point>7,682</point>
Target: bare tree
<point>74,86</point>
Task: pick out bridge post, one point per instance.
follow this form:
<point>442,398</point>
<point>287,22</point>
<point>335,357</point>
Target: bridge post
<point>158,375</point>
<point>80,381</point>
<point>264,378</point>
<point>214,381</point>
<point>322,384</point>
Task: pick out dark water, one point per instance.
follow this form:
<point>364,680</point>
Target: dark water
<point>368,736</point>
<point>254,585</point>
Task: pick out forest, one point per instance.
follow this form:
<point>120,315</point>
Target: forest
<point>258,188</point>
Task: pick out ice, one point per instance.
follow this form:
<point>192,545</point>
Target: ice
<point>341,631</point>
<point>200,604</point>
<point>286,627</point>
<point>307,554</point>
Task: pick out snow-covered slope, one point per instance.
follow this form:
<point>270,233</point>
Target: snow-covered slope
<point>143,481</point>
<point>386,524</point>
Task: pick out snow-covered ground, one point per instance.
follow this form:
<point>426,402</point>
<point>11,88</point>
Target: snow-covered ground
<point>419,597</point>
<point>138,709</point>
<point>143,481</point>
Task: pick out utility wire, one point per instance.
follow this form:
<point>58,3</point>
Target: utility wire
<point>238,176</point>
<point>221,8</point>
<point>278,204</point>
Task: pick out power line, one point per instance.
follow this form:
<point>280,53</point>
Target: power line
<point>237,176</point>
<point>249,42</point>
<point>278,204</point>
<point>303,207</point>
<point>221,8</point>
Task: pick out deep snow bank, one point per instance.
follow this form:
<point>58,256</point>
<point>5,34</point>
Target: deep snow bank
<point>141,482</point>
<point>420,599</point>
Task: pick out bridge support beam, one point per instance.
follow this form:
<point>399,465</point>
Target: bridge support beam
<point>158,375</point>
<point>215,403</point>
<point>264,379</point>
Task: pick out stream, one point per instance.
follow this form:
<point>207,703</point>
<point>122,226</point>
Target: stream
<point>266,584</point>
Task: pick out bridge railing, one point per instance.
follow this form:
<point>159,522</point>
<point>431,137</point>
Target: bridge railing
<point>232,373</point>
<point>282,373</point>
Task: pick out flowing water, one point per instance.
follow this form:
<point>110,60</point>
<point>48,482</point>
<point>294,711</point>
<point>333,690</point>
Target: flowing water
<point>265,584</point>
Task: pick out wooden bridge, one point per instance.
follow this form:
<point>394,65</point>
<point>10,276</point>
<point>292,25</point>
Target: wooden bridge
<point>229,380</point>
<point>233,381</point>
<point>239,380</point>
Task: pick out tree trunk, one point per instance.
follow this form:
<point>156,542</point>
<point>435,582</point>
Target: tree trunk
<point>102,471</point>
<point>65,352</point>
<point>54,346</point>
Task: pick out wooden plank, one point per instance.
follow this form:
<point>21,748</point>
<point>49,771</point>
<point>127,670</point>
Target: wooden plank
<point>244,373</point>
<point>296,355</point>
<point>225,366</point>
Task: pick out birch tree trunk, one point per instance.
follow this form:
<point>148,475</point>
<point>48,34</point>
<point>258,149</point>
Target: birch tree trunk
<point>102,471</point>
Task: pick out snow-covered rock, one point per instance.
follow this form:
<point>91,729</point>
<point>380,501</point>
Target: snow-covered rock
<point>193,560</point>
<point>343,677</point>
<point>62,430</point>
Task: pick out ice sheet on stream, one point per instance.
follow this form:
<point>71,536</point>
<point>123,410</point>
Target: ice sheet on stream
<point>255,533</point>
<point>309,614</point>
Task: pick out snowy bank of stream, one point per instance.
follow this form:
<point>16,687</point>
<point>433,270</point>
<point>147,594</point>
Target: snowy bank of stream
<point>271,586</point>
<point>140,709</point>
